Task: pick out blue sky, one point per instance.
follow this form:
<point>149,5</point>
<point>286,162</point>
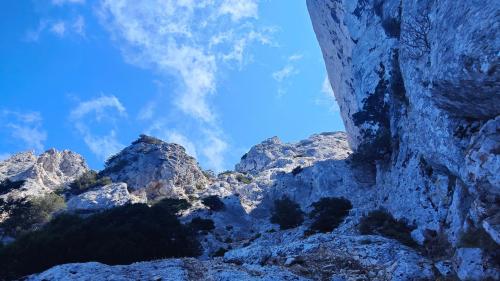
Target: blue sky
<point>216,76</point>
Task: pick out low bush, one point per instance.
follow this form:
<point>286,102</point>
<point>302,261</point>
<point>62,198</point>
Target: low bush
<point>380,222</point>
<point>219,253</point>
<point>122,235</point>
<point>243,179</point>
<point>297,170</point>
<point>7,185</point>
<point>172,206</point>
<point>199,224</point>
<point>147,139</point>
<point>25,216</point>
<point>287,213</point>
<point>213,202</point>
<point>87,181</point>
<point>328,213</point>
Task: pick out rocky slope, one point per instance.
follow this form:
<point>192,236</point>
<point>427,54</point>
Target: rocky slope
<point>39,175</point>
<point>306,172</point>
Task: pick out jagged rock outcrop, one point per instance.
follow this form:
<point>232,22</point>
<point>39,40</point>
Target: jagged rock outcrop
<point>40,174</point>
<point>418,86</point>
<point>101,198</point>
<point>152,168</point>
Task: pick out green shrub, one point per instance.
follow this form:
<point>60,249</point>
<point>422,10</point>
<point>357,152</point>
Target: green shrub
<point>226,173</point>
<point>213,202</point>
<point>287,213</point>
<point>115,166</point>
<point>147,139</point>
<point>25,216</point>
<point>219,253</point>
<point>297,170</point>
<point>199,224</point>
<point>209,174</point>
<point>172,206</point>
<point>7,185</point>
<point>87,181</point>
<point>122,235</point>
<point>328,214</point>
<point>380,222</point>
<point>243,179</point>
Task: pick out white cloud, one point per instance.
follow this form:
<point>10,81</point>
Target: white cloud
<point>79,26</point>
<point>100,106</point>
<point>26,127</point>
<point>192,41</point>
<point>239,9</point>
<point>214,150</point>
<point>99,110</point>
<point>102,146</point>
<point>178,138</point>
<point>286,72</point>
<point>62,2</point>
<point>34,35</point>
<point>58,28</point>
<point>328,96</point>
<point>295,57</point>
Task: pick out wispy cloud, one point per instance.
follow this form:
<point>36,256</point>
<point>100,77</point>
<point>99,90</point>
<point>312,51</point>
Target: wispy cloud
<point>101,110</point>
<point>26,127</point>
<point>58,27</point>
<point>62,2</point>
<point>178,138</point>
<point>327,96</point>
<point>286,72</point>
<point>99,106</point>
<point>79,26</point>
<point>214,149</point>
<point>192,41</point>
<point>239,9</point>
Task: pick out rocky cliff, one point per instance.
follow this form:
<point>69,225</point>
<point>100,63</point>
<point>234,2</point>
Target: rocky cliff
<point>417,85</point>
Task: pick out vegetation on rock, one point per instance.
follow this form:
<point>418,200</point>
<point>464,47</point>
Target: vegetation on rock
<point>243,179</point>
<point>25,216</point>
<point>199,224</point>
<point>122,235</point>
<point>87,181</point>
<point>147,139</point>
<point>328,213</point>
<point>8,185</point>
<point>213,202</point>
<point>287,213</point>
<point>381,222</point>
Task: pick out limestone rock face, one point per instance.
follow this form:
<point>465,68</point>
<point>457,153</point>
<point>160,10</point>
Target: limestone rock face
<point>417,83</point>
<point>101,198</point>
<point>41,174</point>
<point>157,169</point>
<point>272,153</point>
